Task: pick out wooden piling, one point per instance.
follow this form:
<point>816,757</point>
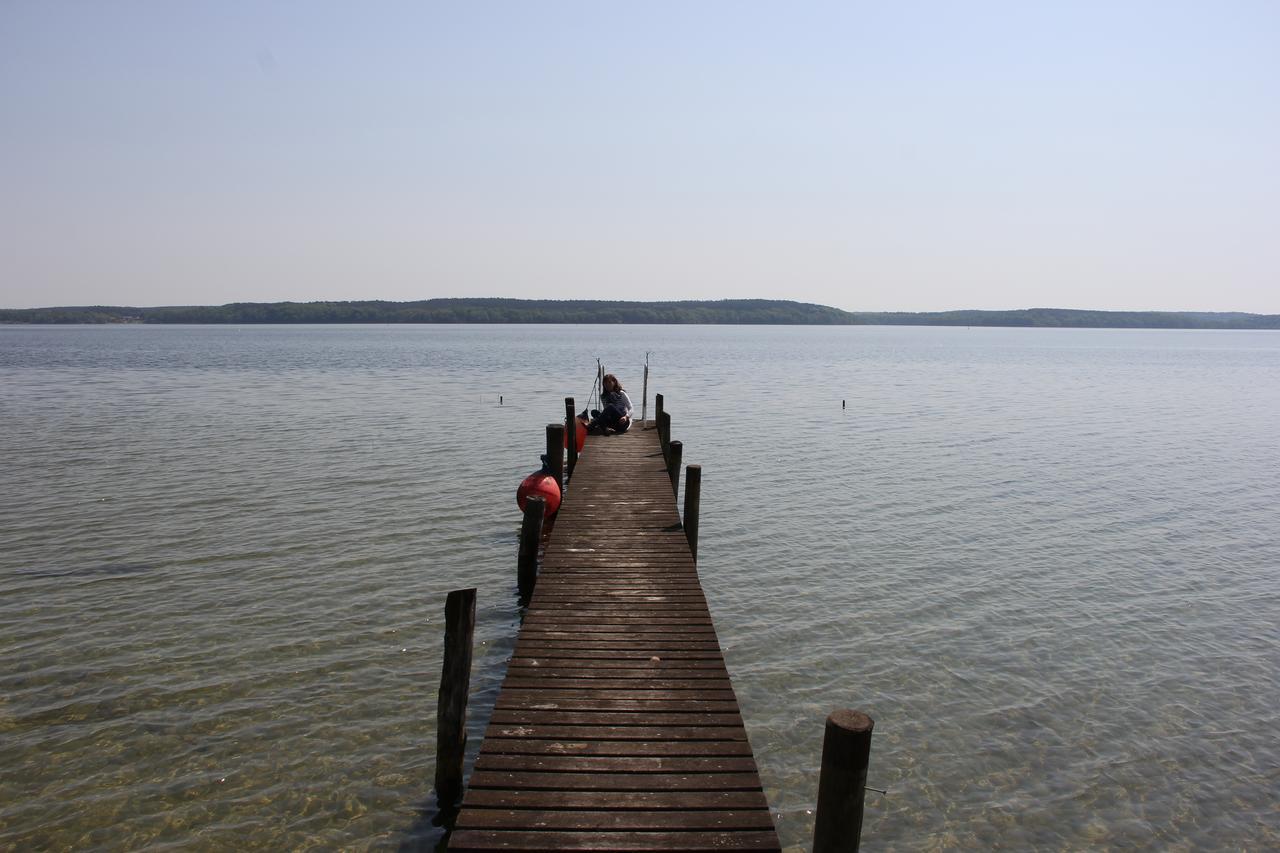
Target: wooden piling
<point>657,408</point>
<point>692,503</point>
<point>455,682</point>
<point>664,434</point>
<point>555,453</point>
<point>846,749</point>
<point>530,537</point>
<point>570,430</point>
<point>675,452</point>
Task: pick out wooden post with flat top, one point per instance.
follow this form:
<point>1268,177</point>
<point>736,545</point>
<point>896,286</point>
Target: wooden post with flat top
<point>657,408</point>
<point>692,503</point>
<point>571,431</point>
<point>455,682</point>
<point>846,749</point>
<point>530,536</point>
<point>555,453</point>
<point>673,464</point>
<point>664,434</point>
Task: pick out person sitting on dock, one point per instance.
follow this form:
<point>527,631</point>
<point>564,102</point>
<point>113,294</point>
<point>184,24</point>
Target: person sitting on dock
<point>616,414</point>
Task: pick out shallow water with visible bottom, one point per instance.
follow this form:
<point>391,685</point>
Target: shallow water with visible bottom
<point>1047,562</point>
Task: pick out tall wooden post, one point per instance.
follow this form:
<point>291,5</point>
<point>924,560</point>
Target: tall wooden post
<point>846,749</point>
<point>664,434</point>
<point>673,464</point>
<point>530,536</point>
<point>570,430</point>
<point>555,453</point>
<point>657,409</point>
<point>692,503</point>
<point>455,681</point>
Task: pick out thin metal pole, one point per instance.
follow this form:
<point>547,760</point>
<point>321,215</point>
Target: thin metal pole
<point>644,406</point>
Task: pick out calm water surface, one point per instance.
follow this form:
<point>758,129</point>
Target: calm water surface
<point>1047,562</point>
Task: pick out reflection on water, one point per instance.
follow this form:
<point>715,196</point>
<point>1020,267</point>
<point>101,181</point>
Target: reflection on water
<point>1044,560</point>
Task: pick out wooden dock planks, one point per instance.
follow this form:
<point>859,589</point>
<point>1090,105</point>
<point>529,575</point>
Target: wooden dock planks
<point>616,727</point>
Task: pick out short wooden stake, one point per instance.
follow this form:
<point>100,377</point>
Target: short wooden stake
<point>571,430</point>
<point>692,503</point>
<point>555,453</point>
<point>455,682</point>
<point>846,749</point>
<point>673,464</point>
<point>530,536</point>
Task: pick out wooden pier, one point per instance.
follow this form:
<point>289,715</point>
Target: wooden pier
<point>617,727</point>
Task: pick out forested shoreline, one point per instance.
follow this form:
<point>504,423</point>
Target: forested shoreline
<point>728,311</point>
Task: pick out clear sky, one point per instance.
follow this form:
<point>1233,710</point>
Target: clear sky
<point>872,156</point>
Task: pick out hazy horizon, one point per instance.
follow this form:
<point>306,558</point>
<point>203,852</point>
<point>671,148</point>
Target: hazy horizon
<point>921,156</point>
<point>714,299</point>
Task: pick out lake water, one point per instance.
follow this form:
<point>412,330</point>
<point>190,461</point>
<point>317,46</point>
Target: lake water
<point>1047,562</point>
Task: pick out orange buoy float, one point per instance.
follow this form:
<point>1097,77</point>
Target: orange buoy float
<point>581,432</point>
<point>540,484</point>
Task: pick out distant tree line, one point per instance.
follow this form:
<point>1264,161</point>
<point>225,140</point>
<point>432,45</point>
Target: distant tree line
<point>725,311</point>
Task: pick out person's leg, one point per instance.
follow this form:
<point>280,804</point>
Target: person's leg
<point>610,416</point>
<point>594,426</point>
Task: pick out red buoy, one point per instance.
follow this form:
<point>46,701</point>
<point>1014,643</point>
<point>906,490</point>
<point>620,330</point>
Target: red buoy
<point>543,485</point>
<point>581,431</point>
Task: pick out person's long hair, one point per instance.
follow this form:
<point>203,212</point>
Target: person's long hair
<point>617,386</point>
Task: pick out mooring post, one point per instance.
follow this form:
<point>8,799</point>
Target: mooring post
<point>673,465</point>
<point>657,409</point>
<point>846,749</point>
<point>570,430</point>
<point>664,434</point>
<point>555,453</point>
<point>455,681</point>
<point>530,536</point>
<point>692,503</point>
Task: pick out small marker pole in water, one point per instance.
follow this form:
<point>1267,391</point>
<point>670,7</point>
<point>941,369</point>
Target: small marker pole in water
<point>455,681</point>
<point>499,399</point>
<point>530,536</point>
<point>842,404</point>
<point>846,749</point>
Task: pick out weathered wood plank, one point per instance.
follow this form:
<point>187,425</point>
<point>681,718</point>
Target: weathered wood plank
<point>619,820</point>
<point>621,782</point>
<point>689,842</point>
<point>614,718</point>
<point>687,801</point>
<point>598,764</point>
<point>556,731</point>
<point>688,747</point>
